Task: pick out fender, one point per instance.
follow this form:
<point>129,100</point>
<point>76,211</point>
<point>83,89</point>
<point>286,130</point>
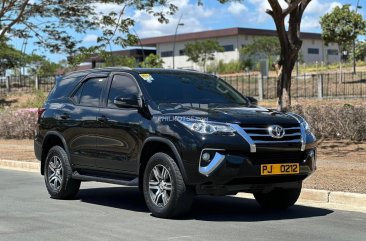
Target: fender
<point>174,150</point>
<point>58,134</point>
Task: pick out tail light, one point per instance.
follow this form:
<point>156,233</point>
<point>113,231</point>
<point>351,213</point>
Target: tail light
<point>40,112</point>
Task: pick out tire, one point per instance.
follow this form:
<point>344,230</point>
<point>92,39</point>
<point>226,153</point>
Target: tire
<point>165,192</point>
<point>57,175</point>
<point>278,198</point>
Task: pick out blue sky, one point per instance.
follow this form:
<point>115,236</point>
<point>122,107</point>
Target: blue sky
<point>213,15</point>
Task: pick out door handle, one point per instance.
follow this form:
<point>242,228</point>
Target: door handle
<point>102,119</point>
<point>64,116</point>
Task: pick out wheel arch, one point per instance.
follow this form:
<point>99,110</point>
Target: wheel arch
<point>154,145</point>
<point>52,138</point>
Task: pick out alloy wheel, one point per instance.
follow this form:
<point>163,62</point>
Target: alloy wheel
<point>55,173</point>
<point>160,185</point>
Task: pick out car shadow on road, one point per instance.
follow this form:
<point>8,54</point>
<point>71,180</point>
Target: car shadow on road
<point>205,208</point>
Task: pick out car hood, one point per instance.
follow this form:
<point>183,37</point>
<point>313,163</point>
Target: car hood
<point>245,116</point>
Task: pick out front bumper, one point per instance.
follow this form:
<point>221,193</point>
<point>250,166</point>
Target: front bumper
<point>234,171</point>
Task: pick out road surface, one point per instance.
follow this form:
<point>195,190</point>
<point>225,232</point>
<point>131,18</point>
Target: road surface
<point>108,212</point>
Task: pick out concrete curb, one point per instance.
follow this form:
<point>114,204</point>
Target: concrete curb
<point>29,166</point>
<point>338,200</point>
<point>307,195</point>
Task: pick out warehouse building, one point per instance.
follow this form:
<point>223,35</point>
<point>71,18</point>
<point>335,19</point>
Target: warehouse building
<point>232,40</point>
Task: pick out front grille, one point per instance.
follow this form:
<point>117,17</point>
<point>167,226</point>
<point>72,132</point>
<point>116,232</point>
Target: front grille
<point>260,135</point>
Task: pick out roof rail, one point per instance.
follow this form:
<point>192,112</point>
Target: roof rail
<point>96,69</point>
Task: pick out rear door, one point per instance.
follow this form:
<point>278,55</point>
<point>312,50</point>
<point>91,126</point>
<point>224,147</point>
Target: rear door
<point>83,126</point>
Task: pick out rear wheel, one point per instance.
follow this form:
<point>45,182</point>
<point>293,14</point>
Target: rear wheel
<point>57,175</point>
<point>165,192</point>
<point>278,198</point>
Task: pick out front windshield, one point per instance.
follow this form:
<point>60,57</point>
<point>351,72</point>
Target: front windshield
<point>191,88</point>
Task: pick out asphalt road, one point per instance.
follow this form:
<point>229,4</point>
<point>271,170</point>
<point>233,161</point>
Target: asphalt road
<point>109,212</point>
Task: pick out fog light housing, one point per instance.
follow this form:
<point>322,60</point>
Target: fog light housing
<point>206,157</point>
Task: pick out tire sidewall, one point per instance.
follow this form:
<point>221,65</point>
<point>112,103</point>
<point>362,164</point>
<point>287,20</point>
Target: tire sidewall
<point>61,154</point>
<point>160,159</point>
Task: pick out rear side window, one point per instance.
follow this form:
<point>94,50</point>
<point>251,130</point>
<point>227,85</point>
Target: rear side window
<point>89,93</point>
<point>63,87</point>
<point>122,86</point>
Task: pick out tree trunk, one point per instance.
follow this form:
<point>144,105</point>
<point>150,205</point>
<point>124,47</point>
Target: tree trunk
<point>284,90</point>
<point>284,82</point>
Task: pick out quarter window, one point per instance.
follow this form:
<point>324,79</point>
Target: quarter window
<point>122,86</point>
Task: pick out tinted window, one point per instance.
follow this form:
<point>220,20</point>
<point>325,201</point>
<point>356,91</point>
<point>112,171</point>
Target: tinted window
<point>313,51</point>
<point>228,48</point>
<point>191,88</point>
<point>166,53</point>
<point>89,93</point>
<point>122,86</point>
<point>332,51</point>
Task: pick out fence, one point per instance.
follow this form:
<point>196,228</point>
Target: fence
<point>322,85</point>
<point>26,84</point>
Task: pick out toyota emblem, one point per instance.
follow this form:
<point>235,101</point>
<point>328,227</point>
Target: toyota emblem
<point>276,131</point>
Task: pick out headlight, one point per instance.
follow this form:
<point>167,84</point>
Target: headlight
<point>207,127</point>
<point>306,126</point>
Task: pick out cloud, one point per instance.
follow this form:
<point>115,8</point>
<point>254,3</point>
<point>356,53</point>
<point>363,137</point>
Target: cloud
<point>90,38</point>
<point>237,8</point>
<point>106,8</point>
<point>314,11</point>
<point>192,18</point>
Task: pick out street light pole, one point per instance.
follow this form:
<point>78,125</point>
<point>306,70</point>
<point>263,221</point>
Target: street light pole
<point>175,38</point>
<point>354,42</point>
<point>142,47</point>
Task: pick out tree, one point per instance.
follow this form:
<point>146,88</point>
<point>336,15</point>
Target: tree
<point>290,42</point>
<point>263,47</point>
<point>117,60</point>
<point>360,51</point>
<point>10,58</point>
<point>53,22</point>
<point>342,26</point>
<point>200,52</point>
<point>39,65</point>
<point>152,61</point>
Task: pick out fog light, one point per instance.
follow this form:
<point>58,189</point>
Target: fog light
<point>206,156</point>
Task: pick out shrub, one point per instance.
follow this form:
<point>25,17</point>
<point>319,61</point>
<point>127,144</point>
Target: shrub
<point>18,124</point>
<point>335,122</point>
<point>226,68</point>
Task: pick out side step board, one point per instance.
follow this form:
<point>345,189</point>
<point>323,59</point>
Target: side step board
<point>130,183</point>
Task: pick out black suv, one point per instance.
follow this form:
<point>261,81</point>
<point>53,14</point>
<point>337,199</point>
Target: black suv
<point>172,133</point>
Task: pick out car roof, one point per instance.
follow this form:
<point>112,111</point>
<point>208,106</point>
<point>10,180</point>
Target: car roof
<point>137,70</point>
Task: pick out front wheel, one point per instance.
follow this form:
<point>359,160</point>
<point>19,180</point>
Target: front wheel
<point>278,198</point>
<point>165,192</point>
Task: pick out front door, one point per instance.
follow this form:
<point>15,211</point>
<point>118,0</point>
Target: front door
<point>119,137</point>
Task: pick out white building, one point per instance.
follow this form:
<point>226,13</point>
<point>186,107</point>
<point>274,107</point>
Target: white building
<point>233,39</point>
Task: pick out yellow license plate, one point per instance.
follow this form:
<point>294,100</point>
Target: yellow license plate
<point>277,169</point>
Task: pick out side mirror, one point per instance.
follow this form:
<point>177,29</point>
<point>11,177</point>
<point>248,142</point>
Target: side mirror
<point>253,101</point>
<point>127,102</point>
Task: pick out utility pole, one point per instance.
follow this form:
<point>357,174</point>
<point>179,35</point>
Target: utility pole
<point>354,43</point>
<point>175,38</point>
